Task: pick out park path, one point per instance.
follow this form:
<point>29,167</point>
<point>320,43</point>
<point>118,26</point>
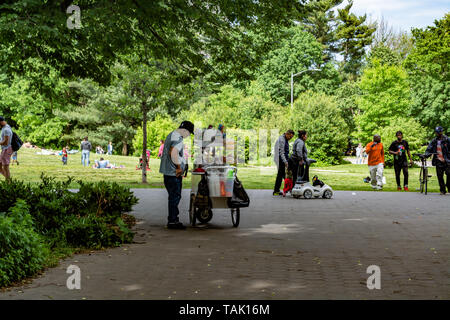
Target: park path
<point>284,249</point>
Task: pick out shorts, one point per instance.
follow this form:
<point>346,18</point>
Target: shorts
<point>5,157</point>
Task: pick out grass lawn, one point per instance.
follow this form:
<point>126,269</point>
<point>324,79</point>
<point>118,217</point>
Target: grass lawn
<point>341,177</point>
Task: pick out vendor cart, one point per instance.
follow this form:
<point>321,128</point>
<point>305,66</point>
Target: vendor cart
<point>220,181</point>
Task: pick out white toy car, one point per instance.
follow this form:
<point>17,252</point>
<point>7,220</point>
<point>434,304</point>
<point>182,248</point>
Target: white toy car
<point>307,190</point>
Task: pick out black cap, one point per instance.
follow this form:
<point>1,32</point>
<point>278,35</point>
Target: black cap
<point>439,129</point>
<point>189,126</point>
<point>2,119</point>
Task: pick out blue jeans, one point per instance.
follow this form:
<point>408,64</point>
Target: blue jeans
<point>173,186</point>
<point>85,157</point>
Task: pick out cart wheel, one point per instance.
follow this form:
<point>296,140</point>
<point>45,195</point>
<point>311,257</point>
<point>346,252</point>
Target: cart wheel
<point>235,217</point>
<point>307,194</point>
<point>204,215</point>
<point>192,217</point>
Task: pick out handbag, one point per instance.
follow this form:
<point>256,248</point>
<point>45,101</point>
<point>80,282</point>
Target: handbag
<point>240,198</point>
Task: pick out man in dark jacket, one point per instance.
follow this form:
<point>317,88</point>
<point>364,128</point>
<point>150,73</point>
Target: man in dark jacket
<point>440,147</point>
<point>281,158</point>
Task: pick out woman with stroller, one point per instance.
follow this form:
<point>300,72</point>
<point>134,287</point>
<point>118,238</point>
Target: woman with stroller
<point>299,156</point>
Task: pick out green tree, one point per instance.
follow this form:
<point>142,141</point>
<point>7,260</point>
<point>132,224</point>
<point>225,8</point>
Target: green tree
<point>385,94</point>
<point>347,98</point>
<point>157,130</point>
<point>354,36</point>
<point>298,51</point>
<point>320,21</point>
<point>428,67</point>
<point>319,115</point>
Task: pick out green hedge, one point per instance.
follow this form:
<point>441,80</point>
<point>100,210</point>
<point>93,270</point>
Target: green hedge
<point>23,251</point>
<point>49,216</point>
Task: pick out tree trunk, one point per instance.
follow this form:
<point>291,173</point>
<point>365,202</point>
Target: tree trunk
<point>144,142</point>
<point>124,148</point>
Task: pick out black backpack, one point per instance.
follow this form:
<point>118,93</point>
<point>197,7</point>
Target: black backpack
<point>240,198</point>
<point>16,142</point>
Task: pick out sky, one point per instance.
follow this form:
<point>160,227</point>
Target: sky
<point>402,14</point>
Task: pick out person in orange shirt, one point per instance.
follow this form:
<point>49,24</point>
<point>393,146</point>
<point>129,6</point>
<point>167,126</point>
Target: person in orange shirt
<point>375,151</point>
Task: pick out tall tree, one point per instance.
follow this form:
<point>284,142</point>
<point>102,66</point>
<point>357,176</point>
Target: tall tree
<point>428,66</point>
<point>186,33</point>
<point>354,36</point>
<point>298,51</point>
<point>320,21</point>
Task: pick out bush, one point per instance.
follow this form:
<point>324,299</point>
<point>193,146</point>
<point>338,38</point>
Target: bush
<point>53,207</point>
<point>319,115</point>
<point>48,215</point>
<point>106,200</point>
<point>22,250</point>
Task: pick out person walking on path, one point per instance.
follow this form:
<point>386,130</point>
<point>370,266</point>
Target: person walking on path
<point>440,147</point>
<point>299,155</point>
<point>399,148</point>
<point>85,147</point>
<point>110,148</point>
<point>173,164</point>
<point>7,151</point>
<point>281,156</point>
<point>359,154</point>
<point>375,150</point>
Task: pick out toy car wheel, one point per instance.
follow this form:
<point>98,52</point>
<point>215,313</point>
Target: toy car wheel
<point>235,217</point>
<point>307,194</point>
<point>204,215</point>
<point>192,218</point>
<point>327,194</point>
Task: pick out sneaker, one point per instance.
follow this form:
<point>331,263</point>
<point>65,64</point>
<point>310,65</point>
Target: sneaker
<point>176,225</point>
<point>406,188</point>
<point>399,188</point>
<point>378,188</point>
<point>277,193</point>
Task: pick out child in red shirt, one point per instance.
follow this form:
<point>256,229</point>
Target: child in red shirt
<point>288,183</point>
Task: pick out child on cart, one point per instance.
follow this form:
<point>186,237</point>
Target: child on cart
<point>288,183</point>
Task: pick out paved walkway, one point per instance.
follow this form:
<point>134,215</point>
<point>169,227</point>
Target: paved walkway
<point>283,249</point>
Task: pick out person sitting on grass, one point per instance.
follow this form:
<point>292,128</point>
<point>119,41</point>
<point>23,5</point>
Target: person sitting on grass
<point>102,164</point>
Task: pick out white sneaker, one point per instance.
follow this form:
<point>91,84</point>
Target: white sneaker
<point>379,188</point>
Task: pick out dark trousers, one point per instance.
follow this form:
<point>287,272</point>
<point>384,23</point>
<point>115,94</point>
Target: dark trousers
<point>303,172</point>
<point>293,165</point>
<point>280,176</point>
<point>173,186</point>
<point>398,168</point>
<point>297,169</point>
<point>440,170</point>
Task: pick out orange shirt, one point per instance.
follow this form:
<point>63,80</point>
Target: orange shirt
<point>376,154</point>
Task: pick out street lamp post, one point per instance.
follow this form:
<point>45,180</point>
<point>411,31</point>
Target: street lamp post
<point>292,84</point>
